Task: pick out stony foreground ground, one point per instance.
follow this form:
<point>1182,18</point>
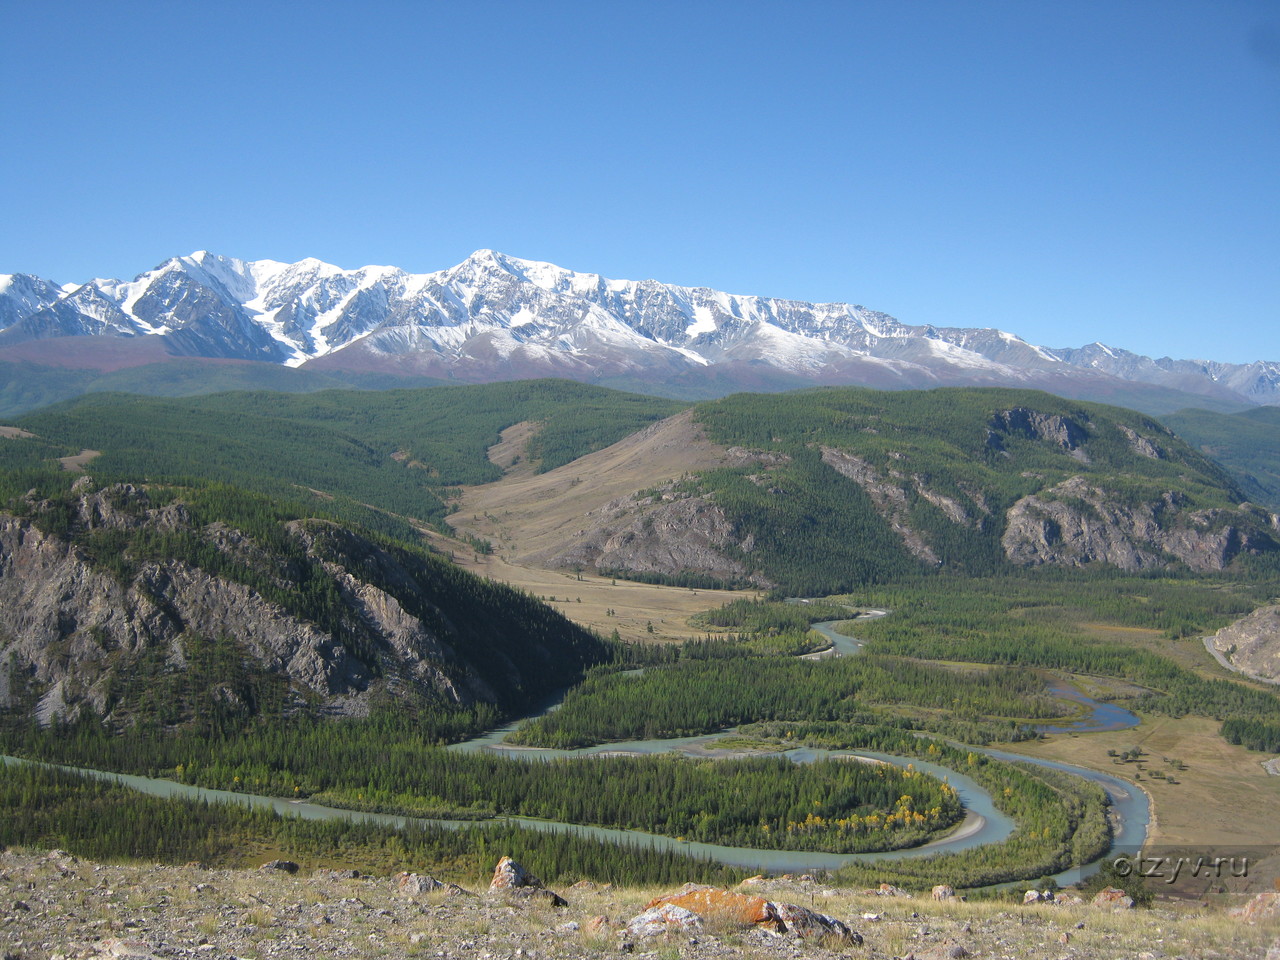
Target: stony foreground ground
<point>55,905</point>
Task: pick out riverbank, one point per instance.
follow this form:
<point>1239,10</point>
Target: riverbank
<point>984,822</point>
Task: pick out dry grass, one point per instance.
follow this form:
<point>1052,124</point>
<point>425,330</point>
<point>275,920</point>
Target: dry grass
<point>587,599</point>
<point>250,913</point>
<point>1223,798</point>
<point>77,463</point>
<point>526,513</point>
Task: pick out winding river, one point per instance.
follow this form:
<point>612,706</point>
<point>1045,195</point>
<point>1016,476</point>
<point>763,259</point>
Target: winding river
<point>983,823</point>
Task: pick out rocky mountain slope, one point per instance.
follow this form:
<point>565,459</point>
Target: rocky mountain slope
<point>499,317</point>
<point>120,602</point>
<point>612,510</point>
<point>1251,645</point>
<point>770,490</point>
<point>58,905</point>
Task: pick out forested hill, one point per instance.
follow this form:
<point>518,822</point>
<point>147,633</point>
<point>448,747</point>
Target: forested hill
<point>395,450</point>
<point>821,490</point>
<point>973,479</point>
<point>838,487</point>
<point>204,605</point>
<point>1246,443</point>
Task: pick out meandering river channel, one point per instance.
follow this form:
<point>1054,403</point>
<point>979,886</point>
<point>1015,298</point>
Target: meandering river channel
<point>983,824</point>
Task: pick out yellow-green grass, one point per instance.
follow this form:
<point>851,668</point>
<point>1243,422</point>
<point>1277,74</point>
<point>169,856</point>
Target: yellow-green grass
<point>587,599</point>
<point>1222,798</point>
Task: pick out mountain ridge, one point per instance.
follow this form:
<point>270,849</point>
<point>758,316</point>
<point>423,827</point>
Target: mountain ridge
<point>497,317</point>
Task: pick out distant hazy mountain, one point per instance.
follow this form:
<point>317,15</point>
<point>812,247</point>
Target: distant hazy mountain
<point>494,317</point>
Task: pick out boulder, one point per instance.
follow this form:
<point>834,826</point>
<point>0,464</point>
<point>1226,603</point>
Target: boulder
<point>1112,899</point>
<point>943,891</point>
<point>288,866</point>
<point>509,875</point>
<point>664,919</point>
<point>327,874</point>
<point>413,884</point>
<point>133,949</point>
<point>537,895</point>
<point>809,924</point>
<point>713,903</point>
<point>889,890</point>
<point>1265,907</point>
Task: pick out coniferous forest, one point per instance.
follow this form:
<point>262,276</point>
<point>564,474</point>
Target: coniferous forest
<point>304,486</point>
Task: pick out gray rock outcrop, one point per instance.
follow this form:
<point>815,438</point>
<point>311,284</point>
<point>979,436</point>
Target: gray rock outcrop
<point>1251,645</point>
<point>1078,521</point>
<point>78,610</point>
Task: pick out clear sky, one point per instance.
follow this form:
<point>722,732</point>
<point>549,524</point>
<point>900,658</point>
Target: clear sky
<point>1070,171</point>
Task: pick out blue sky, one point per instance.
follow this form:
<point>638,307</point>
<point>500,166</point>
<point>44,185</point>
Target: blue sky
<point>1067,171</point>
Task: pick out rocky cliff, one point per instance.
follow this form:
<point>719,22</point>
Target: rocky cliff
<point>667,531</point>
<point>1251,645</point>
<point>105,584</point>
<point>839,487</point>
<point>1078,521</point>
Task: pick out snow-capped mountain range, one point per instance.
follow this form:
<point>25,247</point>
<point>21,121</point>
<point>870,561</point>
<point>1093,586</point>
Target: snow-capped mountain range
<point>497,317</point>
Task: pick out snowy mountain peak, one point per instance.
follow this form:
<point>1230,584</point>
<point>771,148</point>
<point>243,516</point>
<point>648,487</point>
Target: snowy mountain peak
<point>494,316</point>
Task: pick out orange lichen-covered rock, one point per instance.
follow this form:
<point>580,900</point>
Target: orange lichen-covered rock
<point>1110,897</point>
<point>1263,907</point>
<point>712,903</point>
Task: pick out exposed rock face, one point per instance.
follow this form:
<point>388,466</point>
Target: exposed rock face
<point>53,595</point>
<point>1140,444</point>
<point>76,611</point>
<point>1252,644</point>
<point>668,531</point>
<point>1034,425</point>
<point>1077,522</point>
<point>889,497</point>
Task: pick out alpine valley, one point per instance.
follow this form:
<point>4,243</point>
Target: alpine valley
<point>495,317</point>
<point>224,570</point>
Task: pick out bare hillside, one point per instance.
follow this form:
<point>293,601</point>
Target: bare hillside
<point>588,513</point>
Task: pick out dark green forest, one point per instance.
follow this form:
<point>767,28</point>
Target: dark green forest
<point>1246,443</point>
<point>341,478</point>
<point>815,531</point>
<point>400,451</point>
<point>104,821</point>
